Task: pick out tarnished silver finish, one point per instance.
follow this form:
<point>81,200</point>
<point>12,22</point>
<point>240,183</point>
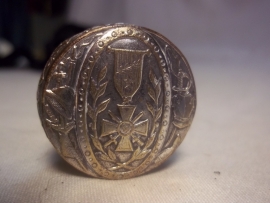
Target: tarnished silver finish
<point>116,101</point>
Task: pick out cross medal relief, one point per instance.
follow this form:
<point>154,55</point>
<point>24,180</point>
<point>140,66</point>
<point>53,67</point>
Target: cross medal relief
<point>116,101</point>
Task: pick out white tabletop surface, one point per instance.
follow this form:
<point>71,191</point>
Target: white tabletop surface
<point>224,158</point>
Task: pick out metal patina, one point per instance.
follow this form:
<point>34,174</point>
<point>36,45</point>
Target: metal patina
<point>117,100</point>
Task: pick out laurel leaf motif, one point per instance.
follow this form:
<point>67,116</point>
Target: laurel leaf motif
<point>158,90</point>
<point>102,74</point>
<point>93,88</point>
<point>150,108</point>
<point>153,78</point>
<point>97,144</point>
<point>143,154</point>
<point>159,111</point>
<point>111,155</point>
<point>109,142</point>
<point>149,141</point>
<point>96,91</point>
<point>69,126</point>
<point>103,105</point>
<point>105,157</point>
<point>137,152</point>
<point>151,93</point>
<point>90,111</point>
<point>101,89</point>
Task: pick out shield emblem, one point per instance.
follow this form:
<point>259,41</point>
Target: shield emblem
<point>128,71</point>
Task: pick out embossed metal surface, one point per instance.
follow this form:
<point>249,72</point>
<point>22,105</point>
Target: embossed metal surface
<point>116,101</point>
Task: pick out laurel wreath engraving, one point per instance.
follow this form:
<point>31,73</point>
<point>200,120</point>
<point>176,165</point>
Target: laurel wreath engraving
<point>97,89</point>
<point>156,111</point>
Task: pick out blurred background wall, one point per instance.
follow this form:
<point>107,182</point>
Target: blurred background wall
<point>244,23</point>
<point>33,28</point>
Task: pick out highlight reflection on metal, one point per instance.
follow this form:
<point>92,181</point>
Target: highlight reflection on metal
<point>116,101</point>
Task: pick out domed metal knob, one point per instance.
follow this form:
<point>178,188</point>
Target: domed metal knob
<point>117,100</point>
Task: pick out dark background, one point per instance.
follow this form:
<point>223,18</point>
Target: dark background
<point>31,29</point>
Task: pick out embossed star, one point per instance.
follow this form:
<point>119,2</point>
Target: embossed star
<point>126,127</point>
